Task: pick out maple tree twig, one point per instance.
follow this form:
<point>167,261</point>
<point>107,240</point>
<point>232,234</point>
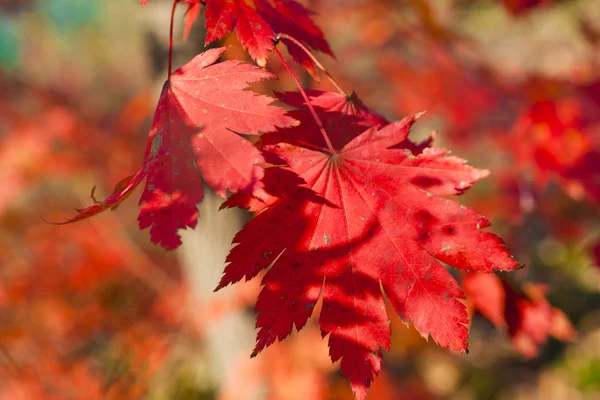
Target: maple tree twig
<point>306,99</point>
<point>313,58</point>
<point>171,38</point>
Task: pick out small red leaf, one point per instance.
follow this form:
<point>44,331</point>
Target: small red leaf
<point>486,293</point>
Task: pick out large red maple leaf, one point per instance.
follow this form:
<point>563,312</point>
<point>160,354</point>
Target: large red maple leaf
<point>200,108</point>
<point>377,223</point>
<point>257,23</point>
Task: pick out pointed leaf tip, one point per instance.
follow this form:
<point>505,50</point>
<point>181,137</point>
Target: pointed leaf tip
<point>419,114</point>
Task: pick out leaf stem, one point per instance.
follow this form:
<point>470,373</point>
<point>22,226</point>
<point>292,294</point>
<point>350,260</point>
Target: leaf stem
<point>306,99</point>
<point>171,38</point>
<point>313,58</point>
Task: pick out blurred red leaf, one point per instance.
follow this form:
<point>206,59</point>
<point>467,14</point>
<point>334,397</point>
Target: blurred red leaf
<point>554,143</point>
<point>529,320</point>
<point>191,15</point>
<point>437,82</point>
<point>528,316</point>
<point>486,293</point>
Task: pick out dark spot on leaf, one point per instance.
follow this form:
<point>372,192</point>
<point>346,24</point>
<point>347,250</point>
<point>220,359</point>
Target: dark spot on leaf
<point>425,182</point>
<point>423,236</point>
<point>449,230</point>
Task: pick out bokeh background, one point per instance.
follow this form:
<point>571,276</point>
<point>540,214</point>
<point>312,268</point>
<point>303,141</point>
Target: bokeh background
<point>94,311</point>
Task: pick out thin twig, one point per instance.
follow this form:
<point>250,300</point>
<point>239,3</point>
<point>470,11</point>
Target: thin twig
<point>306,99</point>
<point>313,58</point>
<point>171,38</point>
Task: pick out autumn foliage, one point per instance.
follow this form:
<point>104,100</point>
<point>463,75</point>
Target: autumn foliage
<point>355,221</point>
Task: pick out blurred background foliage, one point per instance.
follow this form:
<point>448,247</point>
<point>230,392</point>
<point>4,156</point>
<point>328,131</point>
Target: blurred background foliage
<point>94,311</point>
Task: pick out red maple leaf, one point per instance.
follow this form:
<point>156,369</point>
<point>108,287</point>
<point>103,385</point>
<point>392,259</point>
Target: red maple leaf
<point>379,223</point>
<point>531,319</point>
<point>200,108</point>
<point>257,23</point>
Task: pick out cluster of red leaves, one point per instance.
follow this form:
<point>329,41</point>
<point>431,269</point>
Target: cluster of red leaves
<point>554,121</point>
<point>343,241</point>
<point>555,143</point>
<point>526,314</point>
<point>257,23</point>
<point>439,84</point>
<point>74,324</point>
<point>350,208</point>
<point>338,225</point>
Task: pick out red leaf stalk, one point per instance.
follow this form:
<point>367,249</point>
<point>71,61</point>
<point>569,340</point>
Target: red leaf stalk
<point>313,58</point>
<point>171,38</point>
<point>306,99</point>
